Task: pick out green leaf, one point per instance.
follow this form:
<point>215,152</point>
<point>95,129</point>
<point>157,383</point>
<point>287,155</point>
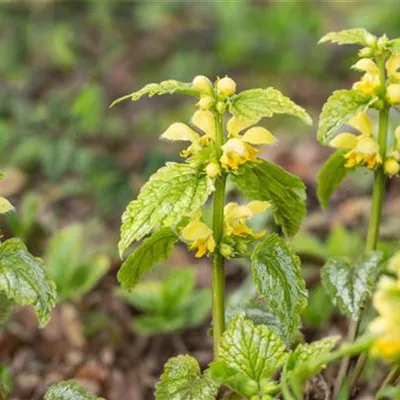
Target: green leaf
<point>394,46</point>
<point>174,191</point>
<point>286,192</point>
<point>166,87</point>
<point>300,365</point>
<point>24,281</point>
<point>350,284</point>
<point>277,275</point>
<point>153,250</point>
<point>339,108</point>
<point>248,358</point>
<point>342,242</point>
<point>330,176</point>
<point>183,380</point>
<point>347,36</point>
<point>68,390</point>
<point>6,382</point>
<point>255,104</point>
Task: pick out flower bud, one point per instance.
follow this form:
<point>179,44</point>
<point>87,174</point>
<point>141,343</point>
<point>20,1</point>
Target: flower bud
<point>392,167</point>
<point>226,86</point>
<point>221,107</point>
<point>206,102</point>
<point>366,52</point>
<point>226,250</point>
<point>383,41</point>
<point>393,93</point>
<point>370,40</point>
<point>213,169</point>
<point>203,84</point>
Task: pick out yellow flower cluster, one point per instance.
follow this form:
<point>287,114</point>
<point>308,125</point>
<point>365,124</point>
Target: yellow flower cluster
<point>363,149</point>
<point>386,326</point>
<point>370,82</point>
<point>200,236</point>
<point>239,148</point>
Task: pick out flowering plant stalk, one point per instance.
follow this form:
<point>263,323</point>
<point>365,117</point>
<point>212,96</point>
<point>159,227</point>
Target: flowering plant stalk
<point>379,89</point>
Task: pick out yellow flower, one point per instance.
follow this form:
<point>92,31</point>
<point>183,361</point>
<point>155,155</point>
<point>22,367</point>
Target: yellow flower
<point>392,67</point>
<point>392,167</point>
<point>386,326</point>
<point>226,86</point>
<point>364,150</point>
<point>202,119</point>
<point>236,216</point>
<point>370,81</point>
<point>203,84</point>
<point>238,149</point>
<point>213,169</point>
<point>200,237</point>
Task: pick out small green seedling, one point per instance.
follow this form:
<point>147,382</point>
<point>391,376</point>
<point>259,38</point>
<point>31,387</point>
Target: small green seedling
<point>74,271</point>
<point>168,304</point>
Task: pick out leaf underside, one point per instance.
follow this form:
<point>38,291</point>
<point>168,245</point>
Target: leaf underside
<point>347,36</point>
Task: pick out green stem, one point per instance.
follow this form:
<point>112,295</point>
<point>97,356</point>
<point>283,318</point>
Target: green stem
<point>391,377</point>
<point>378,192</point>
<point>218,262</point>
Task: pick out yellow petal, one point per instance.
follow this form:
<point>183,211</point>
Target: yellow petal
<point>5,205</point>
<point>213,169</point>
<point>344,141</point>
<point>257,206</point>
<point>234,211</point>
<point>235,145</point>
<point>196,230</point>
<point>238,124</point>
<point>363,123</point>
<point>204,120</point>
<point>226,86</point>
<point>367,145</point>
<point>366,65</point>
<point>259,135</point>
<point>392,66</point>
<point>180,131</point>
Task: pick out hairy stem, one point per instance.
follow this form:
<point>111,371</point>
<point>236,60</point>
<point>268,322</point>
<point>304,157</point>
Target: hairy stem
<point>218,262</point>
<point>378,192</point>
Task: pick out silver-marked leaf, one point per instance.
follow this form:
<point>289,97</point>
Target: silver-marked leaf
<point>165,87</point>
<point>153,250</point>
<point>300,366</point>
<point>347,36</point>
<point>286,192</point>
<point>182,380</point>
<point>330,176</point>
<point>24,281</point>
<point>248,357</point>
<point>6,306</point>
<point>341,106</point>
<point>174,191</point>
<point>277,275</point>
<point>68,390</point>
<point>350,284</point>
<point>255,104</point>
